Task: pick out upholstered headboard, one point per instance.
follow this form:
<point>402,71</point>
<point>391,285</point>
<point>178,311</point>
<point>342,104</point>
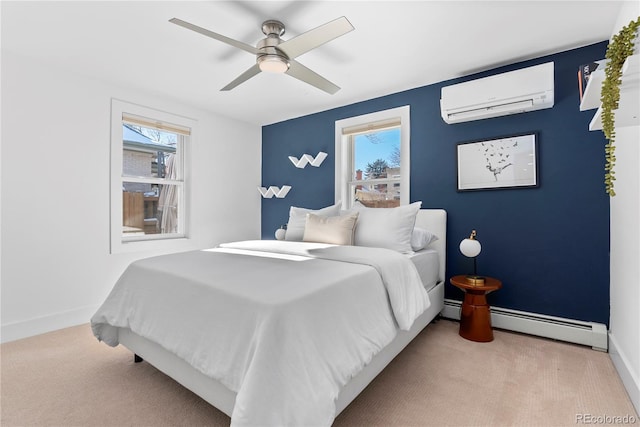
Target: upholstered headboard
<point>435,220</point>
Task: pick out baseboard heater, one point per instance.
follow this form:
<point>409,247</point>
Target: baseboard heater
<point>558,328</point>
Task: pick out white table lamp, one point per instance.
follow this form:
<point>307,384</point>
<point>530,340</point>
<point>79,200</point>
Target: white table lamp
<point>281,232</point>
<point>471,248</point>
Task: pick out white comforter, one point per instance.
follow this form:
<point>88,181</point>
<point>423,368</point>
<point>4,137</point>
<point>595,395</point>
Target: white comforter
<point>285,332</point>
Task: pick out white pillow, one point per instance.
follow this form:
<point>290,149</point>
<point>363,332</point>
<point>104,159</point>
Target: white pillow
<point>298,218</point>
<point>422,238</point>
<point>389,228</point>
<point>336,230</point>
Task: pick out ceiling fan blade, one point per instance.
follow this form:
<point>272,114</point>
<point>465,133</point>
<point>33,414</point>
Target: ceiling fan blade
<point>216,36</point>
<point>255,69</point>
<point>313,38</point>
<point>304,74</point>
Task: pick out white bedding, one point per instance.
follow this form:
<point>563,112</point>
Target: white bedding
<point>427,262</point>
<point>285,332</point>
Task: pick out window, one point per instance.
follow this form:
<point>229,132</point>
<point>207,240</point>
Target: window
<point>148,184</point>
<point>372,159</point>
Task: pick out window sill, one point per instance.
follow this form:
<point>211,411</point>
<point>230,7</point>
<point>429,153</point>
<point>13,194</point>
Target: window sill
<point>176,244</point>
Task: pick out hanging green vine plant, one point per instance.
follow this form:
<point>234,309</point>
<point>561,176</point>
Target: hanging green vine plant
<point>620,48</point>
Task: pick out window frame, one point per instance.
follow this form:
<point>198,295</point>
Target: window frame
<point>344,152</point>
<point>350,140</point>
<point>119,243</point>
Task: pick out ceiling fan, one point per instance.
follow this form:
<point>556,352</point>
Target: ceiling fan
<point>275,55</point>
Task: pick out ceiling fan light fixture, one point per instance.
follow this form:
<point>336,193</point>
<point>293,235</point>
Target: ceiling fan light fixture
<point>273,64</point>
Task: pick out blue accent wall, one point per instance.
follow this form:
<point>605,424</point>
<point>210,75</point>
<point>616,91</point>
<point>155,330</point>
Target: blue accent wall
<point>548,245</point>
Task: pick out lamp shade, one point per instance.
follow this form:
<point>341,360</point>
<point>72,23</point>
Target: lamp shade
<point>280,233</point>
<point>470,247</point>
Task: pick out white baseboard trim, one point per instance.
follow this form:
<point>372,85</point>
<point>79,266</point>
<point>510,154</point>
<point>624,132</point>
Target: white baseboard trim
<point>40,325</point>
<point>574,331</point>
<point>625,371</point>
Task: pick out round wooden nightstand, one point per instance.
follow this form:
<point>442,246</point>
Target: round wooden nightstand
<point>475,315</point>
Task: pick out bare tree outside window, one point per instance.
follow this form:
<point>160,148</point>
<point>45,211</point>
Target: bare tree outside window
<point>394,157</point>
<point>155,134</point>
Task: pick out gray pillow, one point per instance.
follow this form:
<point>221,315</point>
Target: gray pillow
<point>422,238</point>
<point>298,218</point>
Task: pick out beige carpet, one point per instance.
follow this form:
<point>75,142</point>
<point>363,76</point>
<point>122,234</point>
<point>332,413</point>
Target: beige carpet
<point>67,378</point>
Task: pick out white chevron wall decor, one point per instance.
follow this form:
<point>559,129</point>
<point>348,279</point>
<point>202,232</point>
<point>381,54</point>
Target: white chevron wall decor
<point>280,193</point>
<point>308,159</point>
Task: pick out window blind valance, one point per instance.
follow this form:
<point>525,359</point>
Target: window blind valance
<point>155,124</point>
<point>372,127</point>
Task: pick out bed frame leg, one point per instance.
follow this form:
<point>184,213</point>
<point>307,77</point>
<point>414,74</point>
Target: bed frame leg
<point>137,359</point>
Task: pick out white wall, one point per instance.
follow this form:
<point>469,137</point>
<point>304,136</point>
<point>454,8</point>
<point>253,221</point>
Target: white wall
<point>56,265</point>
<point>624,324</point>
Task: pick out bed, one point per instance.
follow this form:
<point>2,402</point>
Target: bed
<point>284,373</point>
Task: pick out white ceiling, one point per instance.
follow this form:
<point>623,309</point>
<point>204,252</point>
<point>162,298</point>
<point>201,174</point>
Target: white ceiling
<point>395,46</point>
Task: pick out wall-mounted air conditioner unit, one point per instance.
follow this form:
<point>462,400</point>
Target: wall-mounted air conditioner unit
<point>514,92</point>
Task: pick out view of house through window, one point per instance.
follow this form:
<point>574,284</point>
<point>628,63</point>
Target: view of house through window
<point>152,180</point>
<point>375,166</point>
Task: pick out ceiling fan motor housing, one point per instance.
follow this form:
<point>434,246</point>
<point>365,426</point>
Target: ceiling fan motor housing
<point>270,58</point>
